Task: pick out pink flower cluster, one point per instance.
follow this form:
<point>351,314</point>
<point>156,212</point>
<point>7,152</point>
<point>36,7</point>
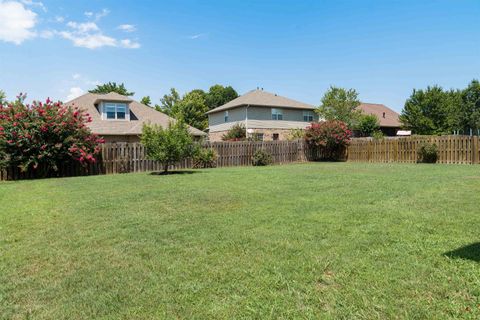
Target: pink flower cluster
<point>330,134</point>
<point>45,134</point>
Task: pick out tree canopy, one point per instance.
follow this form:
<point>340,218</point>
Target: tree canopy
<point>431,111</point>
<point>112,87</point>
<point>168,102</point>
<point>3,97</point>
<point>469,117</point>
<point>218,95</point>
<point>146,101</point>
<point>340,104</point>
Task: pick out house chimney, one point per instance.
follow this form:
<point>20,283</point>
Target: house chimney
<point>384,115</point>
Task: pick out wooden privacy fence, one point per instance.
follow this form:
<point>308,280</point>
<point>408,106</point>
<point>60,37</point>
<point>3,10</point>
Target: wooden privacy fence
<point>131,157</point>
<point>451,149</point>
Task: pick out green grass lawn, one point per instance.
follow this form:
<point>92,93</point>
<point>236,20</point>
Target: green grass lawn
<point>318,240</point>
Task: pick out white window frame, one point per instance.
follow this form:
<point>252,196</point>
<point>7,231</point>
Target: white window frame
<point>225,116</point>
<point>277,114</point>
<point>116,105</point>
<point>308,115</point>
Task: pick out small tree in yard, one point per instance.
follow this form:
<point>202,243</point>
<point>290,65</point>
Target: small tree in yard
<point>340,104</point>
<point>168,145</point>
<point>367,125</point>
<point>333,136</point>
<point>42,136</point>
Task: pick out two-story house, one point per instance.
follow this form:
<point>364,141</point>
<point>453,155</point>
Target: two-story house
<point>265,115</point>
<point>118,118</point>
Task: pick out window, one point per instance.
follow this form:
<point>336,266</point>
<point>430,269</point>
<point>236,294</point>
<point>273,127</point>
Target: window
<point>308,116</point>
<point>275,136</point>
<point>226,116</point>
<point>258,136</point>
<point>115,111</point>
<point>277,114</point>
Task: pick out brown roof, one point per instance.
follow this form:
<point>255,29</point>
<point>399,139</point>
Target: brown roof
<point>263,98</point>
<point>139,114</point>
<point>386,116</point>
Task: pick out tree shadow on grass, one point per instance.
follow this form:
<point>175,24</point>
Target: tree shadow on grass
<point>163,173</point>
<point>469,252</point>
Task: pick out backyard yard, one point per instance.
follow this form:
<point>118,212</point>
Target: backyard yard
<point>316,240</point>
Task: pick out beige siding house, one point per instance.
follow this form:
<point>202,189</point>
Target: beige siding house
<point>118,118</point>
<point>266,115</point>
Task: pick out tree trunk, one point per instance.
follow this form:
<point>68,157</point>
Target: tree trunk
<point>165,168</point>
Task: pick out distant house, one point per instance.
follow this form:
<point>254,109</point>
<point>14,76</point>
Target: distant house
<point>265,115</point>
<point>118,118</point>
<point>389,119</point>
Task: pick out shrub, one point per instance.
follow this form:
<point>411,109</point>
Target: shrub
<point>333,136</point>
<point>295,134</point>
<point>236,133</point>
<point>205,158</point>
<point>261,158</point>
<point>378,135</point>
<point>367,125</point>
<point>427,153</point>
<point>168,145</point>
<point>42,136</point>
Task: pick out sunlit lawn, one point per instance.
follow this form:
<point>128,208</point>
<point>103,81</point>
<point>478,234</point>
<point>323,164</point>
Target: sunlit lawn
<point>319,240</point>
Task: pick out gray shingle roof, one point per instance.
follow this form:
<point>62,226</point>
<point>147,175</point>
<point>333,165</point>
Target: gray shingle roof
<point>139,114</point>
<point>263,98</point>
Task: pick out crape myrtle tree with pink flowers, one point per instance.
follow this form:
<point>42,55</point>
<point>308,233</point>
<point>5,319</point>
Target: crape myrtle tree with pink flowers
<point>332,137</point>
<point>41,136</point>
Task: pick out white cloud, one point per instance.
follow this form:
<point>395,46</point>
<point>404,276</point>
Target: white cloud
<point>88,14</point>
<point>129,44</point>
<point>127,27</point>
<point>59,19</point>
<point>74,92</point>
<point>83,27</point>
<point>35,4</point>
<point>46,34</point>
<point>197,36</point>
<point>16,22</point>
<point>90,41</point>
<point>76,76</point>
<point>98,15</point>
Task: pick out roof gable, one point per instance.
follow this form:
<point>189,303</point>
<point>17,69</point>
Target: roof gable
<point>263,99</point>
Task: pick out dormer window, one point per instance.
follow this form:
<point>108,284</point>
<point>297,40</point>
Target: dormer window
<point>115,111</point>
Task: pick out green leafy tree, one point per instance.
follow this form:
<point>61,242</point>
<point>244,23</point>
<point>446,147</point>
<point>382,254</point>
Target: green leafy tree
<point>218,95</point>
<point>168,102</point>
<point>168,145</point>
<point>432,111</point>
<point>146,101</point>
<point>112,87</point>
<point>367,125</point>
<point>3,97</point>
<point>191,109</point>
<point>469,116</point>
<point>340,104</point>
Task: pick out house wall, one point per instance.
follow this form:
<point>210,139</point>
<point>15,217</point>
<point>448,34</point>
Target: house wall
<point>121,138</point>
<point>235,114</point>
<point>268,134</point>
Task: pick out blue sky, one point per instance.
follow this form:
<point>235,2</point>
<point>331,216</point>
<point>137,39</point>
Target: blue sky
<point>297,49</point>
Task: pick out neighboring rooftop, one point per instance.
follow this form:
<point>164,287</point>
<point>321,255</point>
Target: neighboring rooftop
<point>386,116</point>
<point>262,98</point>
<point>139,114</point>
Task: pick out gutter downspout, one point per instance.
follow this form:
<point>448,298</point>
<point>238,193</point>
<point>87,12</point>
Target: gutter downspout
<point>246,121</point>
